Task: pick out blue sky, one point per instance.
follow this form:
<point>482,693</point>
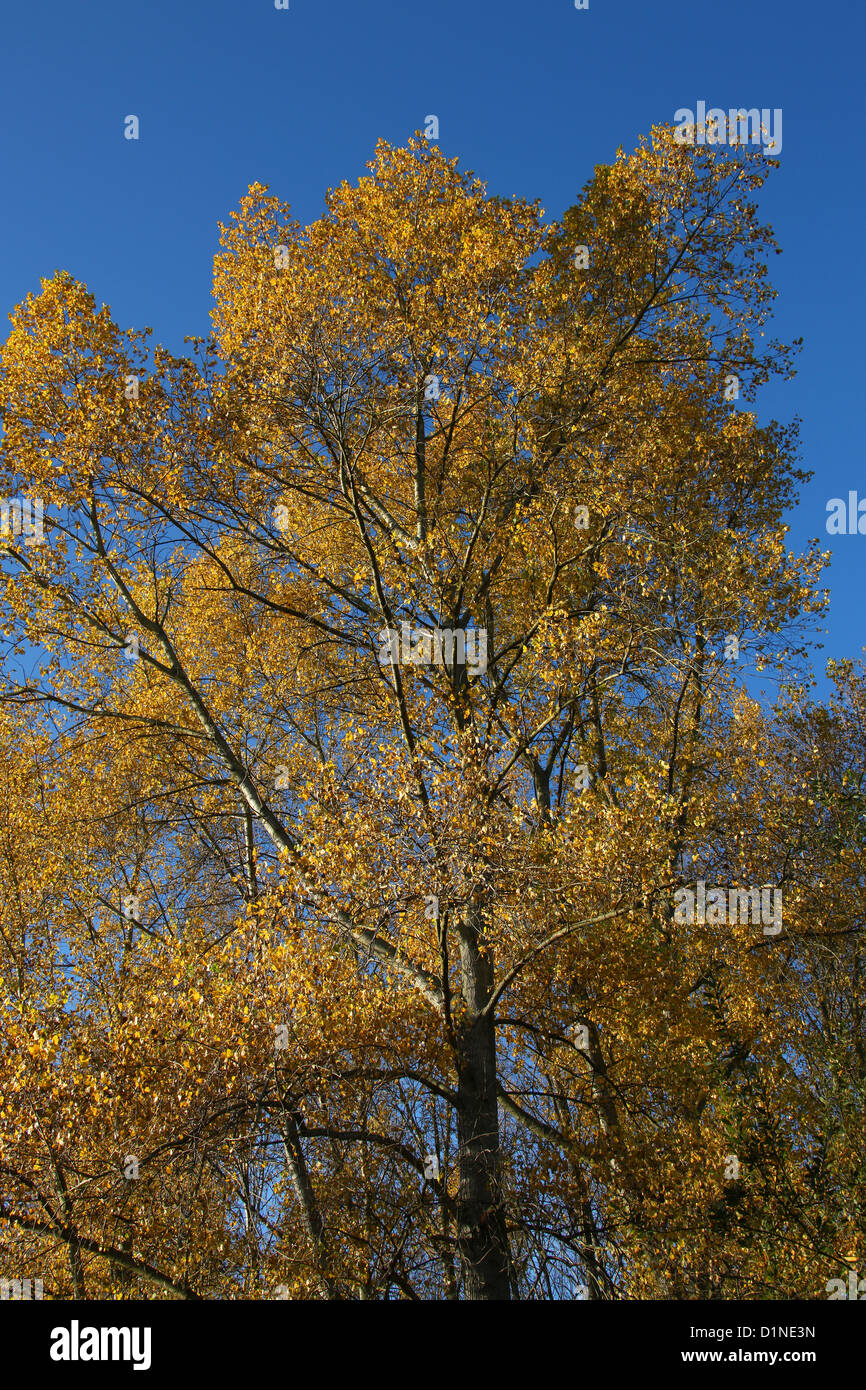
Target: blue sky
<point>530,95</point>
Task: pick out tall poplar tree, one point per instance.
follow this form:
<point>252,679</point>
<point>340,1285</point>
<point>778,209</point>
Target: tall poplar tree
<point>389,680</point>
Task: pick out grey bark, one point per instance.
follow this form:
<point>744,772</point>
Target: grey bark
<point>482,1236</point>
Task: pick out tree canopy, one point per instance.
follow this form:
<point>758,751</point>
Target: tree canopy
<point>380,678</point>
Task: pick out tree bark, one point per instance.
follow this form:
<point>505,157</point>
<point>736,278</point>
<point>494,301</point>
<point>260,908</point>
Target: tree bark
<point>482,1236</point>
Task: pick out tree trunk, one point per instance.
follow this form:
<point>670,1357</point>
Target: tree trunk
<point>482,1237</point>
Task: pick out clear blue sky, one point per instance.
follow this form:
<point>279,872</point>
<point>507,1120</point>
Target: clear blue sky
<point>529,93</point>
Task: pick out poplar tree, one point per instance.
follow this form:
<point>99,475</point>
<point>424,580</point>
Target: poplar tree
<point>335,963</point>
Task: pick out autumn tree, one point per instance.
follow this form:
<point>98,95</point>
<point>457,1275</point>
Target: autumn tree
<point>379,680</point>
